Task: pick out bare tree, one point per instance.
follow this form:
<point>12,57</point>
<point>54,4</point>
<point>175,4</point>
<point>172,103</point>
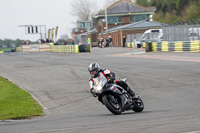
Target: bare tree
<point>83,9</point>
<point>64,37</point>
<point>110,2</point>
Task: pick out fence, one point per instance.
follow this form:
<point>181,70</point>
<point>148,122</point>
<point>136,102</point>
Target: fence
<point>181,30</point>
<point>132,40</point>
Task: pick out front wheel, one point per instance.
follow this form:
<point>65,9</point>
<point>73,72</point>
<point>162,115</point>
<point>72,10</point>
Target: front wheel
<point>112,103</point>
<point>138,105</point>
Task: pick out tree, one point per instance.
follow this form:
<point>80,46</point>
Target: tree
<point>142,3</point>
<point>193,12</point>
<point>83,9</point>
<point>64,37</point>
<point>9,43</point>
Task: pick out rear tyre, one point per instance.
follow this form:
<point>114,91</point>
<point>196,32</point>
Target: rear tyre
<point>112,103</point>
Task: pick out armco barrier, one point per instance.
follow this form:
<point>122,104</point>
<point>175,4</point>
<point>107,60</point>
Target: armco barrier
<point>144,44</point>
<point>165,46</point>
<point>193,46</point>
<point>154,46</point>
<point>178,46</point>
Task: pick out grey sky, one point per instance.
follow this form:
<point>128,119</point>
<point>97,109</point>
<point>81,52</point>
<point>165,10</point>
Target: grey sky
<point>51,13</point>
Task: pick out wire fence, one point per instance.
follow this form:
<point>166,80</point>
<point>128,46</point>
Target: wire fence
<point>181,31</point>
<point>172,32</point>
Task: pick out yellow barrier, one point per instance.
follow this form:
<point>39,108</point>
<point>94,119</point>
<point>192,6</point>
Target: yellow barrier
<point>128,45</point>
<point>178,46</point>
<point>154,46</point>
<point>195,46</point>
<point>1,52</point>
<point>133,45</point>
<point>165,46</point>
<point>90,50</point>
<point>65,49</point>
<point>144,44</point>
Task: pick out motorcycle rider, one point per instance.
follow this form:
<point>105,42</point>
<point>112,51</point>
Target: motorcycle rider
<point>95,71</point>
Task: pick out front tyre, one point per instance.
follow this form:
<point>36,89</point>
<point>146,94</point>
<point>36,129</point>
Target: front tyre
<point>138,105</point>
<point>112,103</point>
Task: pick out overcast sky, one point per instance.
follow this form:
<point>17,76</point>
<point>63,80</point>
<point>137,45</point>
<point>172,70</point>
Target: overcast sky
<point>51,13</point>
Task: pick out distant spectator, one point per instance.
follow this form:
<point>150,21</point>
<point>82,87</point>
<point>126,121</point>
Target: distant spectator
<point>124,41</point>
<point>51,43</point>
<point>102,41</point>
<point>42,40</point>
<point>107,42</point>
<point>98,42</point>
<point>110,41</point>
<point>89,41</point>
<point>47,40</point>
<point>65,43</point>
<point>56,43</point>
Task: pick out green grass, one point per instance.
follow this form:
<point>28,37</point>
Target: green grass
<point>16,103</point>
<point>6,49</point>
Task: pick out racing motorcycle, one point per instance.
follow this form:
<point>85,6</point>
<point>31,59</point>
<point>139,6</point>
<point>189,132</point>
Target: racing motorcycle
<point>115,98</point>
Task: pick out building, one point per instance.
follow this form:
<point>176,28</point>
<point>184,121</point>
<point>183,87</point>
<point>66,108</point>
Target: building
<point>133,29</point>
<point>82,27</point>
<point>122,12</point>
<point>120,19</point>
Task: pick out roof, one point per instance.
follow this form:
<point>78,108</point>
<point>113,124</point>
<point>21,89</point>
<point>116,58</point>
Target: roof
<point>89,32</point>
<point>136,25</point>
<point>125,6</point>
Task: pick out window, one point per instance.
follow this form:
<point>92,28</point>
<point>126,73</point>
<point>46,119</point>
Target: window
<point>137,18</point>
<point>114,19</point>
<point>100,21</point>
<point>82,25</point>
<point>132,18</point>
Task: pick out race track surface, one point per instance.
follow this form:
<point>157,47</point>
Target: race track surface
<point>168,83</point>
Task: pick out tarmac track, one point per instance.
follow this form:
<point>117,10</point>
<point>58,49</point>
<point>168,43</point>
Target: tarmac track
<point>169,88</point>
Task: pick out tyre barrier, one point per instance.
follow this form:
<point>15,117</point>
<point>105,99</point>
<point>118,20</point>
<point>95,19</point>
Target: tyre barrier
<point>192,46</point>
<point>130,44</point>
<point>65,49</point>
<point>71,48</point>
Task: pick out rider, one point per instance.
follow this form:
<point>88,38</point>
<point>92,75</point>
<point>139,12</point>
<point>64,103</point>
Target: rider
<point>95,71</point>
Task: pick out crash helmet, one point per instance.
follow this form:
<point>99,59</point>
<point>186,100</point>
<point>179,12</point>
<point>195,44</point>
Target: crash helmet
<point>93,69</point>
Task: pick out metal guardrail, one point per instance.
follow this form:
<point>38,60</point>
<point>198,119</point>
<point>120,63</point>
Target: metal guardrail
<point>179,46</point>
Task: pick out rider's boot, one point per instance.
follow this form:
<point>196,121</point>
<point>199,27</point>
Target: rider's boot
<point>132,93</point>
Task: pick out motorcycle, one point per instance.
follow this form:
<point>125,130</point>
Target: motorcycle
<point>115,98</point>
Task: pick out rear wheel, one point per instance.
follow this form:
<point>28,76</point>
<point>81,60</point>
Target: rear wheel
<point>138,105</point>
<point>112,103</point>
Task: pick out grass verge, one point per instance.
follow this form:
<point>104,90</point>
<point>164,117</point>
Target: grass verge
<point>16,103</point>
